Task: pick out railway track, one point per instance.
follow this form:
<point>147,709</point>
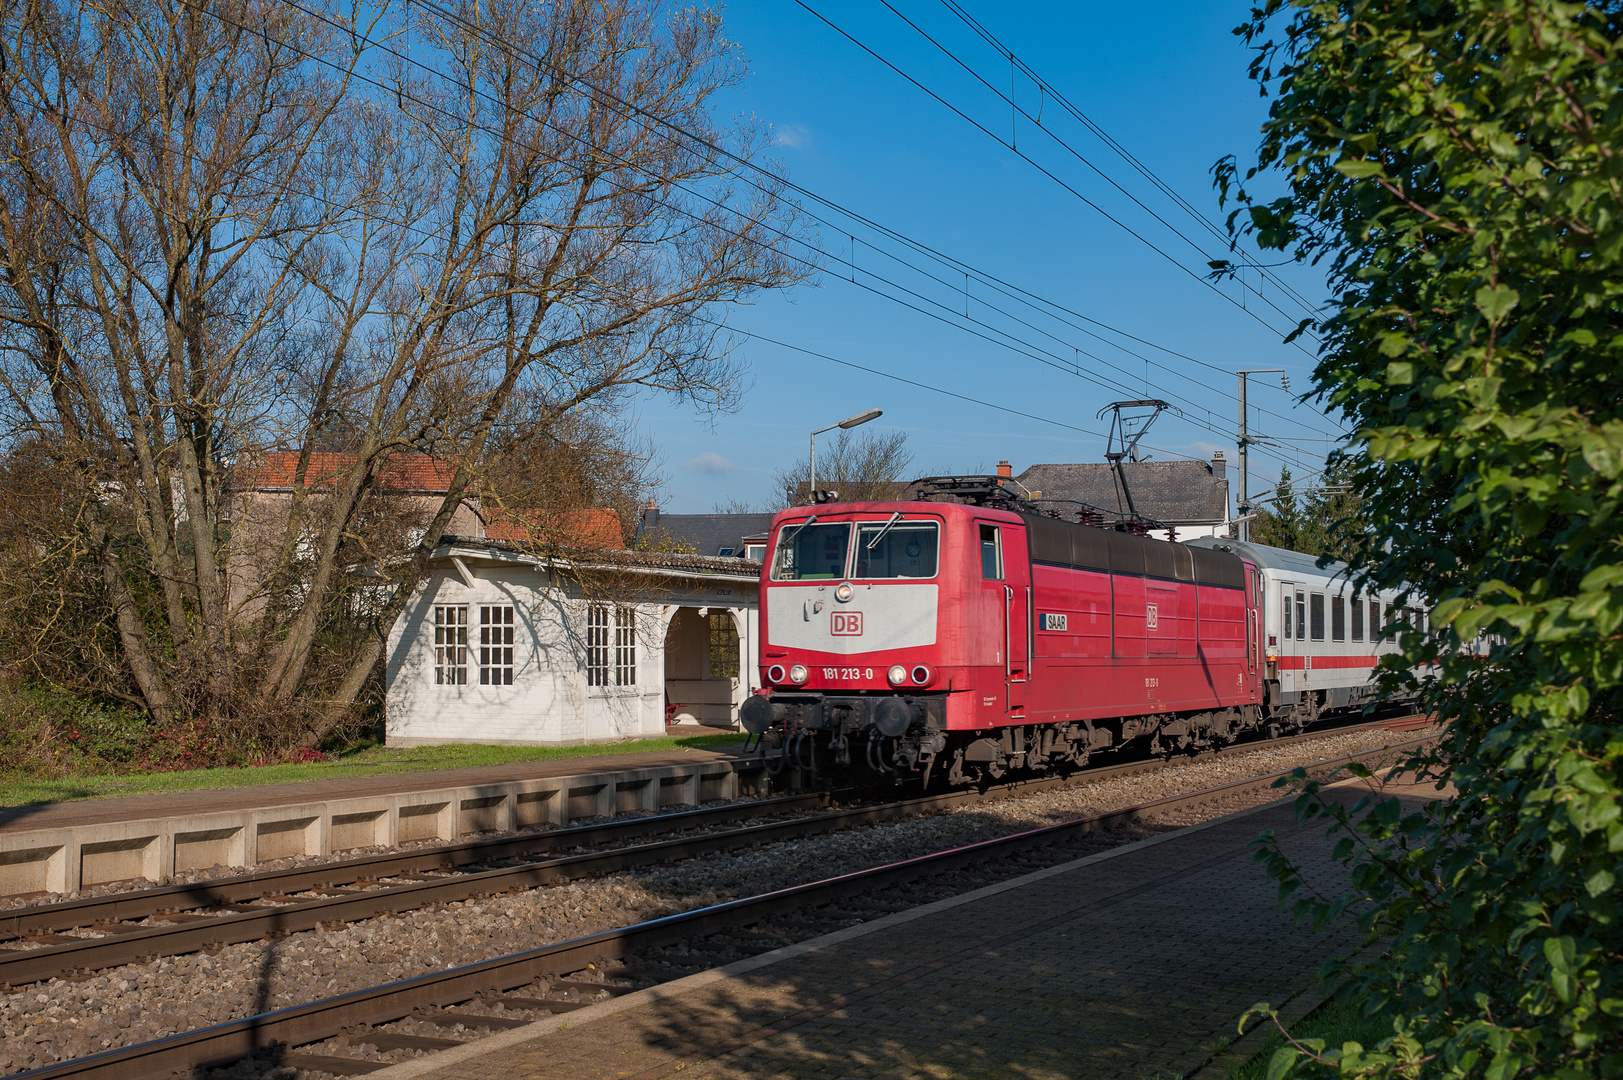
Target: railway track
<point>485,996</point>
<point>143,924</point>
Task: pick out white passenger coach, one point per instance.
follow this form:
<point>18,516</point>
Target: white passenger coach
<point>1322,638</point>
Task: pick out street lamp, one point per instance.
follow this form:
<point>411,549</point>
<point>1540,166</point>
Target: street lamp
<point>1243,503</point>
<point>849,422</point>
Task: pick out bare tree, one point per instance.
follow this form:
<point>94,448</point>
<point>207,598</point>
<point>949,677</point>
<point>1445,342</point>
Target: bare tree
<point>232,225</point>
<point>863,466</point>
<point>562,483</point>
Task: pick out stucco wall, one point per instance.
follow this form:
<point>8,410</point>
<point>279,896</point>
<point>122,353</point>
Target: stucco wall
<point>549,702</point>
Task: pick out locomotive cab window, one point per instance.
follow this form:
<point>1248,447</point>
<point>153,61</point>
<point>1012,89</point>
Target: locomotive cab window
<point>901,549</point>
<point>1316,615</point>
<point>813,552</point>
<point>1338,618</point>
<point>991,553</point>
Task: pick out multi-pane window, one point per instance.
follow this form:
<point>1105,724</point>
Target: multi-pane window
<point>597,645</point>
<point>723,646</point>
<point>451,644</point>
<point>625,647</point>
<point>1316,615</point>
<point>1357,619</point>
<point>611,646</point>
<point>496,645</point>
<point>1338,618</point>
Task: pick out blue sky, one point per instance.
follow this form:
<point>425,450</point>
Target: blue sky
<point>1166,81</point>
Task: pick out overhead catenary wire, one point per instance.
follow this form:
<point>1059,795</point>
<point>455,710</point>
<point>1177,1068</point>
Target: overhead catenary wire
<point>1050,91</point>
<point>373,82</point>
<point>1022,347</point>
<point>932,388</point>
<point>663,122</point>
<point>1064,184</point>
<point>1010,97</point>
<point>666,123</point>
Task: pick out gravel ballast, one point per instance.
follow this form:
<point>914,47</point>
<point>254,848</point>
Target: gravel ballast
<point>61,1019</point>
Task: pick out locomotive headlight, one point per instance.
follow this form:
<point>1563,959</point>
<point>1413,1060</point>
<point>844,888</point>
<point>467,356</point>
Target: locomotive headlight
<point>797,674</point>
<point>774,673</point>
<point>897,675</point>
<point>922,675</point>
<point>845,592</point>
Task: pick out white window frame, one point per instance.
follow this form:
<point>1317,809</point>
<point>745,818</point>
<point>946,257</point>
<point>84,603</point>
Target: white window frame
<point>611,646</point>
<point>597,645</point>
<point>496,631</point>
<point>625,646</point>
<point>450,644</point>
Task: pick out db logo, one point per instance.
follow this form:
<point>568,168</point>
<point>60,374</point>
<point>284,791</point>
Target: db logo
<point>847,623</point>
<point>1152,617</point>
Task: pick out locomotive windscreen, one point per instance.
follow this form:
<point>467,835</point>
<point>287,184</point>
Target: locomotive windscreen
<point>897,550</point>
<point>1087,547</point>
<point>813,551</point>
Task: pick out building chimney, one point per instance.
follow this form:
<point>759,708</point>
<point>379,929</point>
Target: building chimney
<point>650,516</point>
<point>1219,465</point>
<point>1005,471</point>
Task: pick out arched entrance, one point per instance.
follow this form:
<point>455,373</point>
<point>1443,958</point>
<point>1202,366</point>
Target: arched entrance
<point>702,667</point>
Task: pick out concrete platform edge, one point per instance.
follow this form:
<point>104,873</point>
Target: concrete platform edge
<point>67,858</point>
<point>418,1067</point>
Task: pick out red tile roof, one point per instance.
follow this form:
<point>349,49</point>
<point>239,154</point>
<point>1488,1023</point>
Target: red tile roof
<point>570,528</point>
<point>275,470</point>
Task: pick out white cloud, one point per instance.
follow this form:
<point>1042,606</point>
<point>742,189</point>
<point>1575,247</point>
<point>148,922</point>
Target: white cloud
<point>793,136</point>
<point>710,463</point>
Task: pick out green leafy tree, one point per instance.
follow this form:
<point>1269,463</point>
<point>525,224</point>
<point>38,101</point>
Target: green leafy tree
<point>1279,522</point>
<point>1458,170</point>
<point>1327,522</point>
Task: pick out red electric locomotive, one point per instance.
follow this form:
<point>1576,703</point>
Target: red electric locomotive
<point>976,637</point>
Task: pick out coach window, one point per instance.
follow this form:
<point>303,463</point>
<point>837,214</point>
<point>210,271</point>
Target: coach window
<point>902,549</point>
<point>1374,619</point>
<point>1357,619</point>
<point>1285,627</point>
<point>1338,618</point>
<point>1301,616</point>
<point>1316,615</point>
<point>991,553</point>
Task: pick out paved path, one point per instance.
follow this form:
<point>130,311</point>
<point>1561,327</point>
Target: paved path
<point>1132,963</point>
<point>185,803</point>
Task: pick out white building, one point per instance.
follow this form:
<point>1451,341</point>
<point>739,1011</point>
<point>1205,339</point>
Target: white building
<point>501,646</point>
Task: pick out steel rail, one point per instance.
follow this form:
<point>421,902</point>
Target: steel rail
<point>124,944</point>
<point>141,903</point>
<point>222,1044</point>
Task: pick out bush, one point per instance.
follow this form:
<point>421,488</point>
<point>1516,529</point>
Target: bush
<point>50,733</point>
<point>1456,167</point>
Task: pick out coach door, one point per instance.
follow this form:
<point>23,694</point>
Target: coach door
<point>1292,603</point>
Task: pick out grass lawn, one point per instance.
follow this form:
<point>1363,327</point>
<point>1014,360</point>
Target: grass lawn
<point>1336,1022</point>
<point>366,761</point>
